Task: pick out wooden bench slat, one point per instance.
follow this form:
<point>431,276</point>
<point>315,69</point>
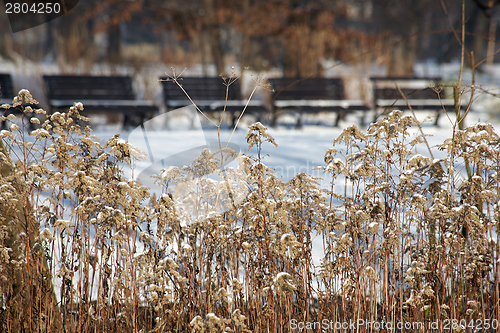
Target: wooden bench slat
<point>6,87</point>
<point>407,78</point>
<point>200,88</point>
<point>99,94</point>
<point>417,90</point>
<point>70,102</point>
<point>312,95</point>
<point>213,104</point>
<point>93,87</point>
<point>209,94</point>
<point>102,97</point>
<point>146,111</point>
<point>424,102</point>
<point>6,97</point>
<point>393,93</point>
<point>344,104</point>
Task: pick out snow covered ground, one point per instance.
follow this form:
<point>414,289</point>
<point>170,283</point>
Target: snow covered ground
<point>167,138</point>
<point>299,150</point>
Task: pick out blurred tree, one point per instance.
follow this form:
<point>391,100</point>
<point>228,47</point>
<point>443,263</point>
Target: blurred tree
<point>305,34</point>
<point>73,39</point>
<point>260,24</point>
<point>296,33</point>
<point>293,34</point>
<point>5,40</point>
<point>480,24</point>
<point>119,12</point>
<point>403,24</point>
<point>487,6</point>
<point>486,29</point>
<point>76,29</point>
<point>212,27</point>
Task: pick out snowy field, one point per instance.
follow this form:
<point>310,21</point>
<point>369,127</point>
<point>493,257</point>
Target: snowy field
<point>299,150</point>
<point>172,139</point>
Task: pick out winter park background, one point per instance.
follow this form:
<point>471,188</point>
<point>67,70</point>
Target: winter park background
<point>388,227</point>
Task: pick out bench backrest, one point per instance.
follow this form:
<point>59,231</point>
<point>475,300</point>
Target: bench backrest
<point>200,88</point>
<point>412,87</point>
<point>423,93</point>
<point>6,87</point>
<point>73,87</point>
<point>293,88</point>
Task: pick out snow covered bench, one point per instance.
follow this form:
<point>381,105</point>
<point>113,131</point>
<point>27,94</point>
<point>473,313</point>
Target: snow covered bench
<point>419,91</point>
<point>110,95</point>
<point>311,95</point>
<point>209,95</point>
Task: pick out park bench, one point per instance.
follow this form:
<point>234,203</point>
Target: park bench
<point>311,95</point>
<point>6,97</point>
<point>422,93</point>
<point>108,95</point>
<point>209,95</point>
<point>6,89</point>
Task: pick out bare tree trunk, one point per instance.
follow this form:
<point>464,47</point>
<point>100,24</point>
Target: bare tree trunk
<point>74,40</point>
<point>304,49</point>
<point>245,43</point>
<point>5,41</point>
<point>114,44</point>
<point>491,42</point>
<point>214,36</point>
<point>480,31</point>
<point>403,57</point>
<point>49,43</point>
<point>30,303</point>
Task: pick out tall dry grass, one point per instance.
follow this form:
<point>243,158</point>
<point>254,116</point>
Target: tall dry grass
<point>409,240</point>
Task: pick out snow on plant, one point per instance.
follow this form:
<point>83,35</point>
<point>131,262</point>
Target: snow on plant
<point>410,238</point>
<point>408,213</point>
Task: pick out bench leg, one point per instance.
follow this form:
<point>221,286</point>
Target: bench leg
<point>337,119</point>
<point>340,116</point>
<point>273,116</point>
<point>125,121</point>
<point>259,118</point>
<point>362,119</point>
<point>438,114</point>
<point>234,118</point>
<point>298,125</point>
